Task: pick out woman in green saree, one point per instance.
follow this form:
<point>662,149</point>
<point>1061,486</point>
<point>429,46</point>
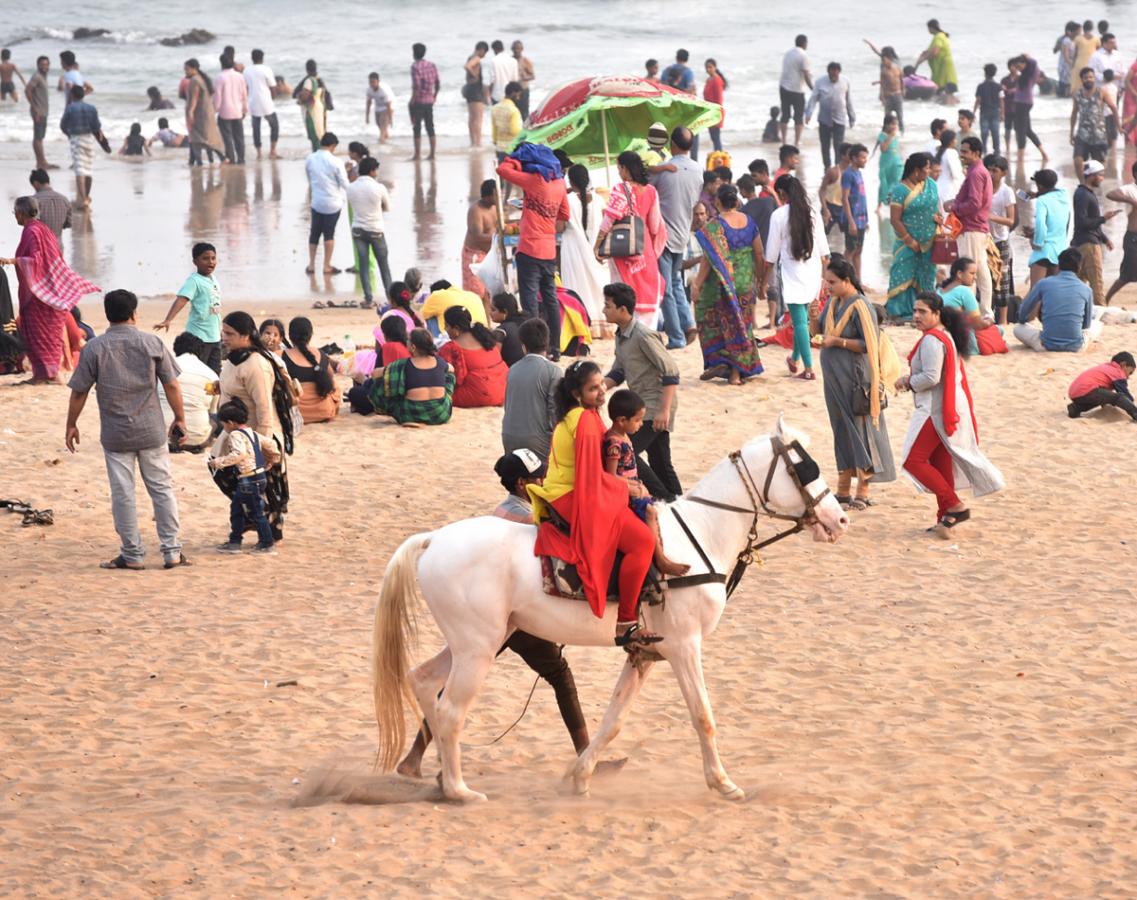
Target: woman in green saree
<point>310,95</point>
<point>914,207</point>
<point>728,281</point>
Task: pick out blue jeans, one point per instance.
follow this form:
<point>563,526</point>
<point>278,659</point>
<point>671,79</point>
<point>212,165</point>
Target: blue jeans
<point>989,126</point>
<point>537,284</point>
<point>677,318</point>
<point>376,243</point>
<point>248,505</point>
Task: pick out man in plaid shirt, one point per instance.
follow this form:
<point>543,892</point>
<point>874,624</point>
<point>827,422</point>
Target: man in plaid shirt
<point>424,90</point>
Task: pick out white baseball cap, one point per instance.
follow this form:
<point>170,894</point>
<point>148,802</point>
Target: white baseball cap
<point>1092,167</point>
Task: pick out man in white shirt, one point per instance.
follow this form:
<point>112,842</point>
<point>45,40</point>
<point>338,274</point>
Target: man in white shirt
<point>231,100</point>
<point>192,379</point>
<point>384,99</point>
<point>503,70</point>
<point>1107,57</point>
<point>369,200</point>
<point>260,80</point>
<point>792,84</point>
<point>327,180</point>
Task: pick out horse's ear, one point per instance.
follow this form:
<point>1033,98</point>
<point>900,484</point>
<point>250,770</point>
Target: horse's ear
<point>780,431</point>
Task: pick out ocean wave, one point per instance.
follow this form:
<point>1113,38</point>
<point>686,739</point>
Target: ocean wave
<point>111,36</point>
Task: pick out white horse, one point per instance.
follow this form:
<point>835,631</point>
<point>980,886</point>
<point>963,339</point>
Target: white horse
<point>482,581</point>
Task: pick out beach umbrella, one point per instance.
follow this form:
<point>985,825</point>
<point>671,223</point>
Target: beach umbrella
<point>592,119</point>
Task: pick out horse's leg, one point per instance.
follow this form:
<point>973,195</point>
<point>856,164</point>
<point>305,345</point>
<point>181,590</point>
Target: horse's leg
<point>426,681</point>
<point>467,672</point>
<point>627,687</point>
<point>687,664</point>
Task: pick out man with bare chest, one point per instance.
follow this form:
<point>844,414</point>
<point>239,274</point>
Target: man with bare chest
<point>481,225</point>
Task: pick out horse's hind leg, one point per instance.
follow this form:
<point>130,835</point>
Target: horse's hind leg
<point>467,672</point>
<point>627,687</point>
<point>426,681</point>
<point>688,667</point>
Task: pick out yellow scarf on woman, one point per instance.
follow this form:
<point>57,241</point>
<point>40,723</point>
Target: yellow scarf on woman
<point>884,364</point>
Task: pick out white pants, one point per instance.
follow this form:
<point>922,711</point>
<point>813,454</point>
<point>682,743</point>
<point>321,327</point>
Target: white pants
<point>1031,335</point>
<point>973,244</point>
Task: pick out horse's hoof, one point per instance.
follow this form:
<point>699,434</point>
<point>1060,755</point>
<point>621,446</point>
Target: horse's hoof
<point>732,792</point>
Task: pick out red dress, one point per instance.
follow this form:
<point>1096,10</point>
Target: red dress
<point>479,375</point>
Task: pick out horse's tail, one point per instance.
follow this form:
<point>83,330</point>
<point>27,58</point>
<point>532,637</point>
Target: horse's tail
<point>394,625</point>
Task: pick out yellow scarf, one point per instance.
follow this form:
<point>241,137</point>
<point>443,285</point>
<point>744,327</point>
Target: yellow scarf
<point>884,364</point>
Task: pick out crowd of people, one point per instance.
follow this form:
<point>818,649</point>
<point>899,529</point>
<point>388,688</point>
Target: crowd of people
<point>673,253</point>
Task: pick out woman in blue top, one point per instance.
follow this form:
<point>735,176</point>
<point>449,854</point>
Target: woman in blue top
<point>958,292</point>
<point>1051,232</point>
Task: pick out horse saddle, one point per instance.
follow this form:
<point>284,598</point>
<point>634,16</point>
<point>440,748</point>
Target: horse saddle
<point>561,579</point>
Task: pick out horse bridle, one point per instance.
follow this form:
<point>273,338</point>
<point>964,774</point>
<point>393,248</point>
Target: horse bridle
<point>803,472</point>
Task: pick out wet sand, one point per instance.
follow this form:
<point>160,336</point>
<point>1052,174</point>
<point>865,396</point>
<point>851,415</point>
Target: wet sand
<point>147,215</point>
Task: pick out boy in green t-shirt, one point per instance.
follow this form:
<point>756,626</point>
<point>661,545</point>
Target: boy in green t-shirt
<point>203,295</point>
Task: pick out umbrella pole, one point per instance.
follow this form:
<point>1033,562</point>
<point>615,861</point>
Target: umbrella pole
<point>607,163</point>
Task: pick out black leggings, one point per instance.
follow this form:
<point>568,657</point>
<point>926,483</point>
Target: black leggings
<point>1023,131</point>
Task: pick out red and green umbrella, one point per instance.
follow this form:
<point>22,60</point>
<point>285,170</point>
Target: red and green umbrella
<point>593,119</point>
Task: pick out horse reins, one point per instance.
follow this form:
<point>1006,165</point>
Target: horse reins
<point>803,472</point>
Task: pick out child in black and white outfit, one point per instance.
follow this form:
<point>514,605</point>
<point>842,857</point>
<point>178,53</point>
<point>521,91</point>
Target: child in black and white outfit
<point>244,449</point>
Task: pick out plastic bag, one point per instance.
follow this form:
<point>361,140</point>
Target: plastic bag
<point>489,271</point>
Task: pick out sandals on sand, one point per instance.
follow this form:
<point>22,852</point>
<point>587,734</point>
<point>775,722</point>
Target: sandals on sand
<point>791,364</point>
<point>951,519</point>
<point>806,376</point>
<point>719,371</point>
<point>174,563</point>
<point>119,563</point>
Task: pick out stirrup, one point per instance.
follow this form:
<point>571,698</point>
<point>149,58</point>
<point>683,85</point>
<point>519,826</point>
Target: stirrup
<point>630,637</point>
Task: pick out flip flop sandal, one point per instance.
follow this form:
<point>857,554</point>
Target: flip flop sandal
<point>174,563</point>
<point>319,304</point>
<point>119,563</point>
<point>719,371</point>
<point>791,364</point>
<point>844,502</point>
<point>950,520</point>
<point>857,504</point>
<point>806,376</point>
<point>39,517</point>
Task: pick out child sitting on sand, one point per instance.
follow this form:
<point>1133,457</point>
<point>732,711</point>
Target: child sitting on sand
<point>626,410</point>
<point>243,448</point>
<point>1104,385</point>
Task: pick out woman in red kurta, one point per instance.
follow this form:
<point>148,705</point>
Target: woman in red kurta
<point>713,91</point>
<point>593,503</point>
<point>48,291</point>
<point>473,351</point>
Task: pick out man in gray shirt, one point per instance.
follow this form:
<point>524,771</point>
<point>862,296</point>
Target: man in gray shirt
<point>678,192</point>
<point>126,364</point>
<point>650,371</point>
<point>530,394</point>
<point>834,97</point>
<point>54,208</point>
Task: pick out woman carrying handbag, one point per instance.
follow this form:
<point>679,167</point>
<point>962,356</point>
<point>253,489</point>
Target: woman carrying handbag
<point>632,235</point>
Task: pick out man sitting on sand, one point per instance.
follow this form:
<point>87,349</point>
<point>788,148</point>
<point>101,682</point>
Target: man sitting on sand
<point>1104,385</point>
<point>1065,306</point>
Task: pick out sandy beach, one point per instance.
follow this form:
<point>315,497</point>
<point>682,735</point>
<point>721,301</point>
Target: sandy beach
<point>908,716</point>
